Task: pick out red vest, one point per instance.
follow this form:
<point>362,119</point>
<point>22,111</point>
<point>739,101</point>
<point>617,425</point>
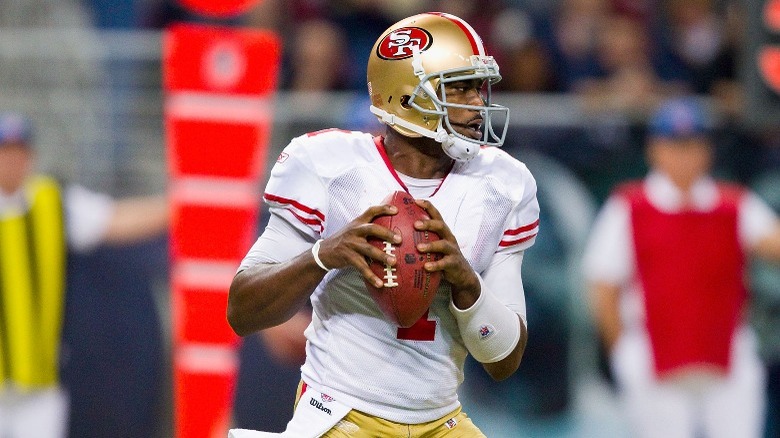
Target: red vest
<point>690,266</point>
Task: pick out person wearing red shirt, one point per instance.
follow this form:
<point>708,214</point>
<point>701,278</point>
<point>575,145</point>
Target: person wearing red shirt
<point>666,266</point>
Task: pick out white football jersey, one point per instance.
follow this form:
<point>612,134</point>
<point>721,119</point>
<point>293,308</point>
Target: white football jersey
<point>321,182</point>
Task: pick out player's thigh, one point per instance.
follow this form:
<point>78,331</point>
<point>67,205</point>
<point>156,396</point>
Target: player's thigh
<point>357,424</point>
<point>660,410</point>
<point>735,406</point>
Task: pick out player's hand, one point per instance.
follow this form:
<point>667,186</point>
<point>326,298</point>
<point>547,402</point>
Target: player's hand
<point>453,265</point>
<point>350,246</point>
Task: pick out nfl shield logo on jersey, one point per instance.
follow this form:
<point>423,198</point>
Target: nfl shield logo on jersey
<point>485,331</point>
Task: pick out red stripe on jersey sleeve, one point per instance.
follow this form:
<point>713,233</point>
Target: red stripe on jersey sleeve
<point>505,243</point>
<point>310,222</point>
<point>522,229</point>
<point>296,204</point>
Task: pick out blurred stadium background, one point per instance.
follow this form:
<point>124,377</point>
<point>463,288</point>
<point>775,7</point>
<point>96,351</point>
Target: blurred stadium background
<point>89,74</point>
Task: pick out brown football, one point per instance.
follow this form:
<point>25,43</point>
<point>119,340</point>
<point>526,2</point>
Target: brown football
<point>408,288</point>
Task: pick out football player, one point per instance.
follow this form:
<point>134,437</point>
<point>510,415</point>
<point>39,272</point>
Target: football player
<point>429,80</point>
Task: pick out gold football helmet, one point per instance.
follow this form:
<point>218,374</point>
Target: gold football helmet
<point>408,69</point>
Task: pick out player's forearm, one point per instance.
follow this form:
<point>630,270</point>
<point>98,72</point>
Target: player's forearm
<point>493,333</point>
<point>264,296</point>
<point>769,247</point>
<point>507,366</point>
<point>605,305</point>
<point>465,294</point>
<point>137,218</point>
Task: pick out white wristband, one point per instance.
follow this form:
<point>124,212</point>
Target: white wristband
<point>315,252</point>
<point>489,329</point>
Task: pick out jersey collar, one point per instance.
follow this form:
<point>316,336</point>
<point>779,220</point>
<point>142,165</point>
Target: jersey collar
<point>379,141</point>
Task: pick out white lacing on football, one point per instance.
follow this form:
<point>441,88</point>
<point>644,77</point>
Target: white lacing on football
<point>390,276</point>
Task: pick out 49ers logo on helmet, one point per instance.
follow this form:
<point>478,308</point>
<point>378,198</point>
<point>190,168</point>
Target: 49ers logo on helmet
<point>398,43</point>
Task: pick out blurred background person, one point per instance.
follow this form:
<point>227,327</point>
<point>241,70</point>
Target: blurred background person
<point>698,41</point>
<point>526,66</point>
<point>317,43</point>
<point>571,35</point>
<point>627,83</point>
<point>665,267</point>
<point>40,220</point>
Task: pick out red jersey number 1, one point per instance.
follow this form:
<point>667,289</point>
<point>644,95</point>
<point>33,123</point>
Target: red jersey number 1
<point>422,330</point>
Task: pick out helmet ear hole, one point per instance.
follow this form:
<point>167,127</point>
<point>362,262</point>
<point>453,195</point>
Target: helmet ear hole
<point>405,101</point>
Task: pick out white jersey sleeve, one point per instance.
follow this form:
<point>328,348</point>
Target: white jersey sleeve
<point>757,220</point>
<point>279,242</point>
<point>297,200</point>
<point>295,192</point>
<point>609,251</point>
<point>503,278</point>
<point>522,223</point>
<point>87,216</point>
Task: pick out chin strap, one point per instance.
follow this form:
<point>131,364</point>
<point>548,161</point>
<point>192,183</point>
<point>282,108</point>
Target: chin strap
<point>456,148</point>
